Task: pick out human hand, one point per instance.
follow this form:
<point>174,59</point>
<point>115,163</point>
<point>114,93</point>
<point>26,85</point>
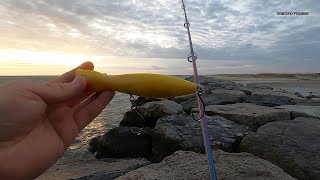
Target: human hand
<point>40,120</point>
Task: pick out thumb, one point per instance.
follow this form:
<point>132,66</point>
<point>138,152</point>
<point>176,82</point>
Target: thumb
<point>59,92</point>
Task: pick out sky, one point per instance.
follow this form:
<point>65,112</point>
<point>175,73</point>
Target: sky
<point>49,37</point>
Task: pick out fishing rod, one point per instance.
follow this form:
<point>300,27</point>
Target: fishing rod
<point>131,84</point>
<point>192,58</point>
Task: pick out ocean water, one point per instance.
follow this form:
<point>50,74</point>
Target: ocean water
<point>109,118</point>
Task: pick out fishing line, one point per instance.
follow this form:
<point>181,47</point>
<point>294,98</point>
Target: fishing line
<point>103,43</point>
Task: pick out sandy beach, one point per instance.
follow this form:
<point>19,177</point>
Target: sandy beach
<point>307,84</point>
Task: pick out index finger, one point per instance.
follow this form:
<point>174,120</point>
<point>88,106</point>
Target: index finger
<point>69,76</point>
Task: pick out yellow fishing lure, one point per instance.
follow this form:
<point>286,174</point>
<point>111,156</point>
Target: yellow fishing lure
<point>146,85</point>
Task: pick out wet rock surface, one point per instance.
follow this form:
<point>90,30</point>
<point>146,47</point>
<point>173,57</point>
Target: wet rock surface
<point>183,133</point>
<point>248,114</point>
<point>276,93</point>
<point>268,100</point>
<point>190,165</point>
<point>172,133</point>
<point>229,92</point>
<point>302,111</point>
<point>308,93</point>
<point>292,145</point>
<point>212,99</point>
<point>212,83</point>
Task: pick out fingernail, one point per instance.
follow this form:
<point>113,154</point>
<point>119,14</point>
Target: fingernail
<point>85,65</point>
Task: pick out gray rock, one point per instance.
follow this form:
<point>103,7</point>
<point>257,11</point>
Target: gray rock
<point>120,142</point>
<point>258,86</point>
<point>223,84</point>
<point>204,80</point>
<point>220,93</point>
<point>299,94</point>
<point>246,90</point>
<point>276,93</point>
<point>306,102</point>
<point>316,99</point>
<point>251,115</point>
<point>294,99</point>
<point>212,99</point>
<point>211,83</point>
<point>92,168</point>
<point>162,108</point>
<point>151,112</point>
<point>229,92</point>
<point>190,165</point>
<point>269,100</point>
<point>143,100</point>
<point>292,145</point>
<point>302,111</point>
<point>180,99</point>
<point>312,102</point>
<point>306,92</point>
<point>132,119</point>
<point>183,133</point>
<point>253,88</point>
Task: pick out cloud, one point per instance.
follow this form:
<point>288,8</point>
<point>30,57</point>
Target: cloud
<point>227,30</point>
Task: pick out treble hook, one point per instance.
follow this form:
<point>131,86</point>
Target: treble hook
<point>134,108</point>
<point>199,94</point>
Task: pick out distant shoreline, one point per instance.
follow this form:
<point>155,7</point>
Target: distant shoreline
<point>272,75</point>
<point>259,75</point>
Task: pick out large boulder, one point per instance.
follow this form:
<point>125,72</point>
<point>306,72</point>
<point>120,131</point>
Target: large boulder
<point>92,168</point>
<point>292,145</point>
<point>120,142</point>
<point>151,112</point>
<point>307,92</point>
<point>276,93</point>
<point>258,86</point>
<point>228,166</point>
<point>229,92</point>
<point>251,115</point>
<point>180,99</point>
<point>302,111</point>
<point>269,100</point>
<point>220,93</point>
<point>311,102</point>
<point>214,82</point>
<point>132,119</point>
<point>248,89</point>
<point>316,99</point>
<point>183,133</point>
<point>211,83</point>
<point>212,99</point>
<point>294,99</point>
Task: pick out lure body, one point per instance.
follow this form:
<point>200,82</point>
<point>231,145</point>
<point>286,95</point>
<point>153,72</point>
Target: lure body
<point>146,85</point>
